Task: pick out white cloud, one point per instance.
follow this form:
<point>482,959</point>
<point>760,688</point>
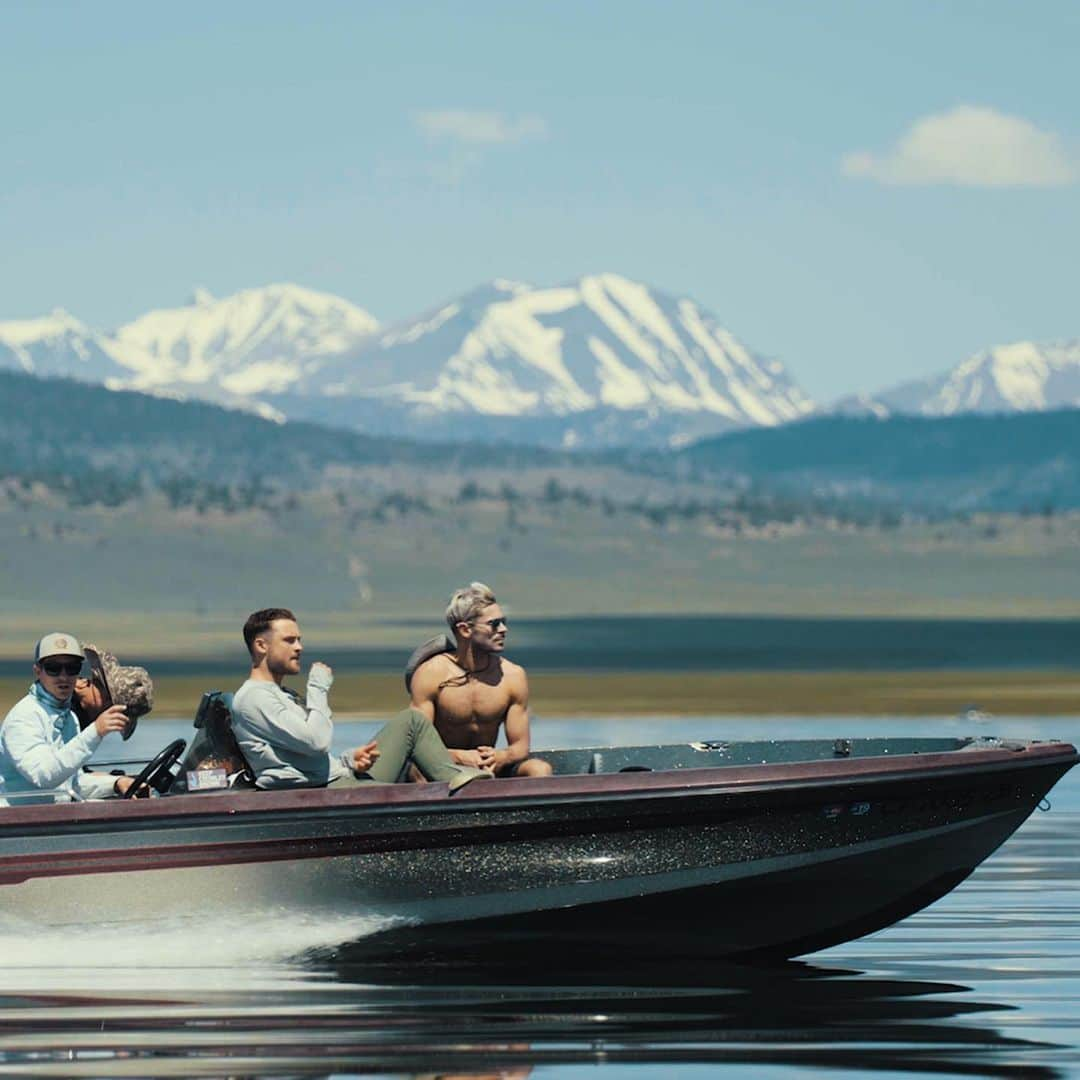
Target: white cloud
<point>464,126</point>
<point>970,146</point>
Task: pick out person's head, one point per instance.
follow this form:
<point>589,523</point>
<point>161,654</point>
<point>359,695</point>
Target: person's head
<point>474,616</point>
<point>272,638</point>
<point>90,700</point>
<point>58,662</point>
<point>108,682</point>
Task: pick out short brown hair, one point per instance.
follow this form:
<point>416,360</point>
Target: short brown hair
<point>258,622</point>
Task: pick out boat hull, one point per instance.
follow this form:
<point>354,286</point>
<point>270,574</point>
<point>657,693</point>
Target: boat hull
<point>780,859</point>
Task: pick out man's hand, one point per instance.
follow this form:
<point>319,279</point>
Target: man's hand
<point>487,757</point>
<point>363,757</point>
<point>321,675</point>
<point>112,719</point>
<point>466,757</point>
<point>123,784</point>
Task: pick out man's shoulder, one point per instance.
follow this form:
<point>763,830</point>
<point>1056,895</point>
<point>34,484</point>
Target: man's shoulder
<point>27,707</point>
<point>511,670</point>
<point>436,666</point>
<point>248,693</point>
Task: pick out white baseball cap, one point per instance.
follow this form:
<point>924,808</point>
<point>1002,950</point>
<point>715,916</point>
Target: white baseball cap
<point>58,645</point>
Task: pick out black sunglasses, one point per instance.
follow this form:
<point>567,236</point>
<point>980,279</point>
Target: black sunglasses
<point>65,667</point>
<point>492,624</point>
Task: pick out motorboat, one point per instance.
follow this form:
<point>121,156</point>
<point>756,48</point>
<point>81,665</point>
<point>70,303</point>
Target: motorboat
<point>717,848</point>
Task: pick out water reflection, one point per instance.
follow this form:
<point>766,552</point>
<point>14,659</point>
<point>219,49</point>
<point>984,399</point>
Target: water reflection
<point>334,1019</point>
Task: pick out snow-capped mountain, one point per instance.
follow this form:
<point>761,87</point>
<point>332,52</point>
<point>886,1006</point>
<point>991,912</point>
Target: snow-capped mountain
<point>600,361</point>
<point>58,344</point>
<point>255,342</point>
<point>1021,377</point>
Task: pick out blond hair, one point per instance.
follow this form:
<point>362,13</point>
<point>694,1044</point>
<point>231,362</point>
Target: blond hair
<point>467,603</point>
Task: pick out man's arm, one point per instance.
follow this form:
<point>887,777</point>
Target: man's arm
<point>517,722</point>
<point>97,785</point>
<point>425,689</point>
<point>26,742</point>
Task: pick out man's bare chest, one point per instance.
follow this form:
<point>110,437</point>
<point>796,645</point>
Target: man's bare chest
<point>474,702</point>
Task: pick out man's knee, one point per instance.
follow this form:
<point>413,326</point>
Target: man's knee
<point>411,719</point>
<point>534,767</point>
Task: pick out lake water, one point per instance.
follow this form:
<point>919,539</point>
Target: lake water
<point>986,982</point>
<point>705,643</point>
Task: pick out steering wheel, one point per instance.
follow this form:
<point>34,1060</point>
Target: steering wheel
<point>158,768</point>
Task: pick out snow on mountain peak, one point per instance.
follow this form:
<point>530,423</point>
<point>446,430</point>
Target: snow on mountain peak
<point>54,325</point>
<point>255,341</point>
<point>57,344</point>
<point>595,361</point>
<point>603,345</point>
<point>1022,376</point>
<point>514,287</point>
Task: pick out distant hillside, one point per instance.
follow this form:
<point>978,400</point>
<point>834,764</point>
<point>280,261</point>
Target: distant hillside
<point>138,503</point>
<point>118,443</point>
<point>60,426</point>
<point>1004,462</point>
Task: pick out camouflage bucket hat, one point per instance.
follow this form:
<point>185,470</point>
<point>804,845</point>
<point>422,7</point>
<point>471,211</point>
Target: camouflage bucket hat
<point>131,687</point>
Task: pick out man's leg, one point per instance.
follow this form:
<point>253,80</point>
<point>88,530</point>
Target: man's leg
<point>411,735</point>
<point>529,767</point>
<point>348,779</point>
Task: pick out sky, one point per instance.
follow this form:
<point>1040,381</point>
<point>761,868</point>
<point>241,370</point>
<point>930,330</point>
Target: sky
<point>869,192</point>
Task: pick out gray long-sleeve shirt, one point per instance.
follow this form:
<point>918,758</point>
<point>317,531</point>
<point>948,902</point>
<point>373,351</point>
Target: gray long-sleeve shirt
<point>286,744</point>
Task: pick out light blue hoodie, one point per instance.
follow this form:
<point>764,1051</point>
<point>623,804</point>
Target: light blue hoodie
<point>42,750</point>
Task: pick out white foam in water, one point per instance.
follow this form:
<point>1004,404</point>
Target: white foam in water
<point>199,950</point>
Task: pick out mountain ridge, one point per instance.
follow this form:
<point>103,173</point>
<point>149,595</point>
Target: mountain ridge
<point>598,362</point>
<point>600,348</point>
<point>1022,376</point>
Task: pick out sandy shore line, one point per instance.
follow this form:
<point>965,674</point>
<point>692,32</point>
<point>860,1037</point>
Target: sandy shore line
<point>777,693</point>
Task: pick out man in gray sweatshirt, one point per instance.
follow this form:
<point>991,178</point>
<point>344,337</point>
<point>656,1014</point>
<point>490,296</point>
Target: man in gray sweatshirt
<point>287,744</point>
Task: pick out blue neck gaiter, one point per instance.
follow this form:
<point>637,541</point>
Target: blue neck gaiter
<point>46,698</point>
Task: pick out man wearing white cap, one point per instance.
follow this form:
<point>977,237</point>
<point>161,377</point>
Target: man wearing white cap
<point>41,747</point>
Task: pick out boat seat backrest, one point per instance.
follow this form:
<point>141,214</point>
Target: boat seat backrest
<point>215,745</point>
<point>435,646</point>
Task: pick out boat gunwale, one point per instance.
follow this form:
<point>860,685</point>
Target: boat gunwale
<point>515,793</point>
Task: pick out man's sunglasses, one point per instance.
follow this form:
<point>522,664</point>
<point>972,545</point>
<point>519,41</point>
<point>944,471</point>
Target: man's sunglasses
<point>53,668</point>
<point>492,624</point>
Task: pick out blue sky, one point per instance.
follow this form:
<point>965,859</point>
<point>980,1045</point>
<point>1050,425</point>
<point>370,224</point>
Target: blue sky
<point>867,191</point>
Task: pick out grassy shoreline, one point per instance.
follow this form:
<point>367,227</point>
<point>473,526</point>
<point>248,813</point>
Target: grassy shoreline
<point>775,693</point>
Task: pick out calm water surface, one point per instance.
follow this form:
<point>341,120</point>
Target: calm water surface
<point>706,643</point>
<point>984,983</point>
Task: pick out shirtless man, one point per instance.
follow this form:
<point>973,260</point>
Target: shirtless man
<point>470,692</point>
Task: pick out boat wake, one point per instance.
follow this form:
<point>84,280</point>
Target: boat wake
<point>198,951</point>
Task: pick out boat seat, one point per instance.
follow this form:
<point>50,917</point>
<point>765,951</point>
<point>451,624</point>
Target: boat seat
<point>596,765</point>
<point>214,745</point>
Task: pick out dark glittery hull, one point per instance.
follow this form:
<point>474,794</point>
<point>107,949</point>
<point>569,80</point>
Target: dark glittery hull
<point>708,850</point>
